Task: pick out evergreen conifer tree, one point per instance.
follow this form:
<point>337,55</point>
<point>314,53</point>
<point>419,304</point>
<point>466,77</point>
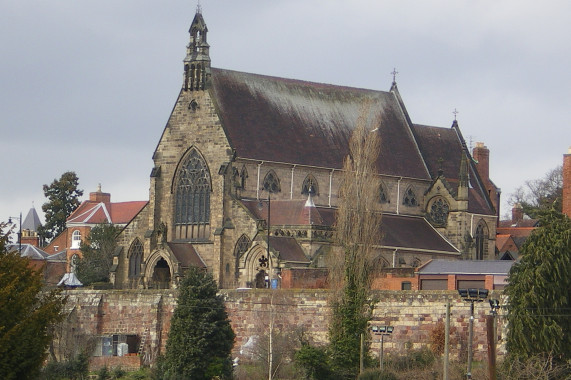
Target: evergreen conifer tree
<point>539,292</point>
<point>26,315</point>
<point>201,337</point>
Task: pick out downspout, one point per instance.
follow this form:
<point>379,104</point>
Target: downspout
<point>291,187</point>
<point>395,258</point>
<point>258,181</point>
<point>398,194</point>
<point>330,185</point>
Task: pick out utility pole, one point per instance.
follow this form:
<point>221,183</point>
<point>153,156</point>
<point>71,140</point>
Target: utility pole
<point>270,348</point>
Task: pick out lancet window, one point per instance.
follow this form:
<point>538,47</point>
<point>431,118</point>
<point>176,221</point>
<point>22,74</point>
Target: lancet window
<point>135,258</point>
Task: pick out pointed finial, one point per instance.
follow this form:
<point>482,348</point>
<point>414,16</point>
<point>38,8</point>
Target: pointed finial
<point>394,73</point>
<point>455,112</point>
<point>198,8</point>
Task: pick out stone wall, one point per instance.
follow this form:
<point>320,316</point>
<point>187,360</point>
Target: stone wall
<point>414,315</point>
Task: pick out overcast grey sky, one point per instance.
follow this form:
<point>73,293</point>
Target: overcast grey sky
<point>88,86</point>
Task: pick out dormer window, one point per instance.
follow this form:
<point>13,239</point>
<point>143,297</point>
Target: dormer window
<point>75,239</point>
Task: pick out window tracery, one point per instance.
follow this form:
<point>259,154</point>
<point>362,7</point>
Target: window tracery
<point>242,245</point>
<point>135,258</point>
<point>271,182</point>
<point>192,197</point>
<point>310,186</point>
<point>439,211</point>
<point>409,198</point>
<point>480,238</point>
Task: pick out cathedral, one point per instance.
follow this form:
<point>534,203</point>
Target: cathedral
<point>246,176</point>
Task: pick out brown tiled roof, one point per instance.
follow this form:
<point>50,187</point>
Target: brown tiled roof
<point>288,249</point>
<point>397,231</point>
<point>413,233</point>
<point>309,123</point>
<point>290,212</point>
<point>186,255</point>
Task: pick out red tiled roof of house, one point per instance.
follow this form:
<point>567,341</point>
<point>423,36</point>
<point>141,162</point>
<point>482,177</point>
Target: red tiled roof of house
<point>99,212</point>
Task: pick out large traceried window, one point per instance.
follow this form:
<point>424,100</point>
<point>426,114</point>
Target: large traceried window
<point>192,194</point>
<point>135,258</point>
<point>481,238</point>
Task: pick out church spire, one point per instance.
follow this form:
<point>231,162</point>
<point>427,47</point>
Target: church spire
<point>197,60</point>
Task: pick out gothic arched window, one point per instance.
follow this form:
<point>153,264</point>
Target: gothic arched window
<point>409,198</point>
<point>481,238</point>
<point>242,245</point>
<point>310,186</point>
<point>438,211</point>
<point>135,258</point>
<point>383,197</point>
<point>193,190</point>
<point>271,182</point>
<point>243,177</point>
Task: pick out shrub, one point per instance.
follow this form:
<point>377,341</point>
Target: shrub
<point>314,362</point>
<point>76,368</point>
<point>414,359</point>
<point>377,374</point>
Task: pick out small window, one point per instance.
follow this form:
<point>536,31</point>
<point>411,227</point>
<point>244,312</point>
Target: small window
<point>405,285</point>
<point>76,239</point>
<point>309,186</point>
<point>409,198</point>
<point>383,197</point>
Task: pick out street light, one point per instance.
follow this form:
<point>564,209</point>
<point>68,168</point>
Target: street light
<point>472,295</point>
<point>382,331</point>
<point>492,338</point>
<point>20,232</point>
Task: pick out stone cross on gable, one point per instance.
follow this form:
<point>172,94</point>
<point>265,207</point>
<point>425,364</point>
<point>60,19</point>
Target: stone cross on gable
<point>455,112</point>
<point>394,73</point>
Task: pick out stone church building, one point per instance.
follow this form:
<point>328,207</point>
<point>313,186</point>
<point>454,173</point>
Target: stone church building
<point>243,154</point>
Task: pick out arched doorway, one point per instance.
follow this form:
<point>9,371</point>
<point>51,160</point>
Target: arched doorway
<point>161,278</point>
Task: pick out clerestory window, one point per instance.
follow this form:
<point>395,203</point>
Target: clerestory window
<point>271,182</point>
<point>310,186</point>
<point>409,198</point>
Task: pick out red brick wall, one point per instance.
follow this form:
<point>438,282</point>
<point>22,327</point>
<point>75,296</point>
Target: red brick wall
<point>304,278</point>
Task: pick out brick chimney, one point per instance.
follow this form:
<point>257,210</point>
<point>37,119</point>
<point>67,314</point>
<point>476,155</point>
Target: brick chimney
<point>517,213</point>
<point>100,196</point>
<point>481,153</point>
<point>567,183</point>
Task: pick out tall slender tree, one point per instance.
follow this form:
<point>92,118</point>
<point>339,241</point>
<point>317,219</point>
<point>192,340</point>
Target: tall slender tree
<point>63,198</point>
<point>97,254</point>
<point>201,337</point>
<point>539,292</point>
<point>356,260</point>
<point>26,315</point>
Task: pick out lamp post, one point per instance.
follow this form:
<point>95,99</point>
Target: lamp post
<point>492,338</point>
<point>382,331</point>
<point>20,232</point>
<point>472,296</point>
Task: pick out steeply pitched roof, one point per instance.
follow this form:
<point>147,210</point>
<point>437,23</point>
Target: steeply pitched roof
<point>314,120</point>
<point>32,221</point>
<point>29,250</point>
<point>497,267</point>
